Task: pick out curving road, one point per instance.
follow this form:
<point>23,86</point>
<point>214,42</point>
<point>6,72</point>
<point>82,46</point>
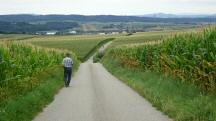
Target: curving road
<point>96,95</point>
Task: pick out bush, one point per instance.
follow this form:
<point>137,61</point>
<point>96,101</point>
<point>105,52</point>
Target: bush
<point>98,56</point>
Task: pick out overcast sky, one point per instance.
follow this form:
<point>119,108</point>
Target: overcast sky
<point>107,7</point>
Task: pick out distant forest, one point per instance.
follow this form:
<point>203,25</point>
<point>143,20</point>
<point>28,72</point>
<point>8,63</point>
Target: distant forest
<point>31,23</point>
<point>98,18</point>
<point>24,27</point>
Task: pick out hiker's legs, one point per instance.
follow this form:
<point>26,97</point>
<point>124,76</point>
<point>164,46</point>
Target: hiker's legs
<point>65,75</point>
<point>69,76</point>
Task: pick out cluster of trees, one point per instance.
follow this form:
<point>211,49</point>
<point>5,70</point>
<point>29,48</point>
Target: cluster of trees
<point>25,27</point>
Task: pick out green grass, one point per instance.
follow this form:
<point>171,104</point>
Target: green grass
<point>98,56</point>
<point>94,50</point>
<point>25,107</point>
<point>181,101</point>
<point>140,38</point>
<point>15,36</point>
<point>81,45</point>
<point>29,78</point>
<point>190,57</point>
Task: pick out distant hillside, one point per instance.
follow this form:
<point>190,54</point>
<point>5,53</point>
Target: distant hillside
<point>24,27</point>
<point>164,15</point>
<point>25,23</point>
<point>101,18</point>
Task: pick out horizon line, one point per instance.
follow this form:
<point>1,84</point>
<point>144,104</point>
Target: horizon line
<point>179,14</point>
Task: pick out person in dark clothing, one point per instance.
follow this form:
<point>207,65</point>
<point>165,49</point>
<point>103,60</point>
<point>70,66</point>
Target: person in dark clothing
<point>67,63</point>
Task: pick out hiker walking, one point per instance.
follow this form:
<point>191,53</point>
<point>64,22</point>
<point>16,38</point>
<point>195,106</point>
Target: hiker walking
<point>67,63</point>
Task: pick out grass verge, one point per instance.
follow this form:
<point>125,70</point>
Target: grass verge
<point>180,101</point>
<point>98,56</point>
<point>25,107</point>
<point>93,50</point>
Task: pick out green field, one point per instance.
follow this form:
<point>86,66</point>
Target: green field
<point>177,75</point>
<point>190,57</point>
<point>15,36</point>
<point>180,101</point>
<point>81,45</point>
<point>26,71</point>
<point>29,78</point>
<point>143,37</point>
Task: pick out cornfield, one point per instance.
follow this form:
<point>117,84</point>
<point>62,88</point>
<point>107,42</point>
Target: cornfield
<point>19,62</point>
<point>189,57</point>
